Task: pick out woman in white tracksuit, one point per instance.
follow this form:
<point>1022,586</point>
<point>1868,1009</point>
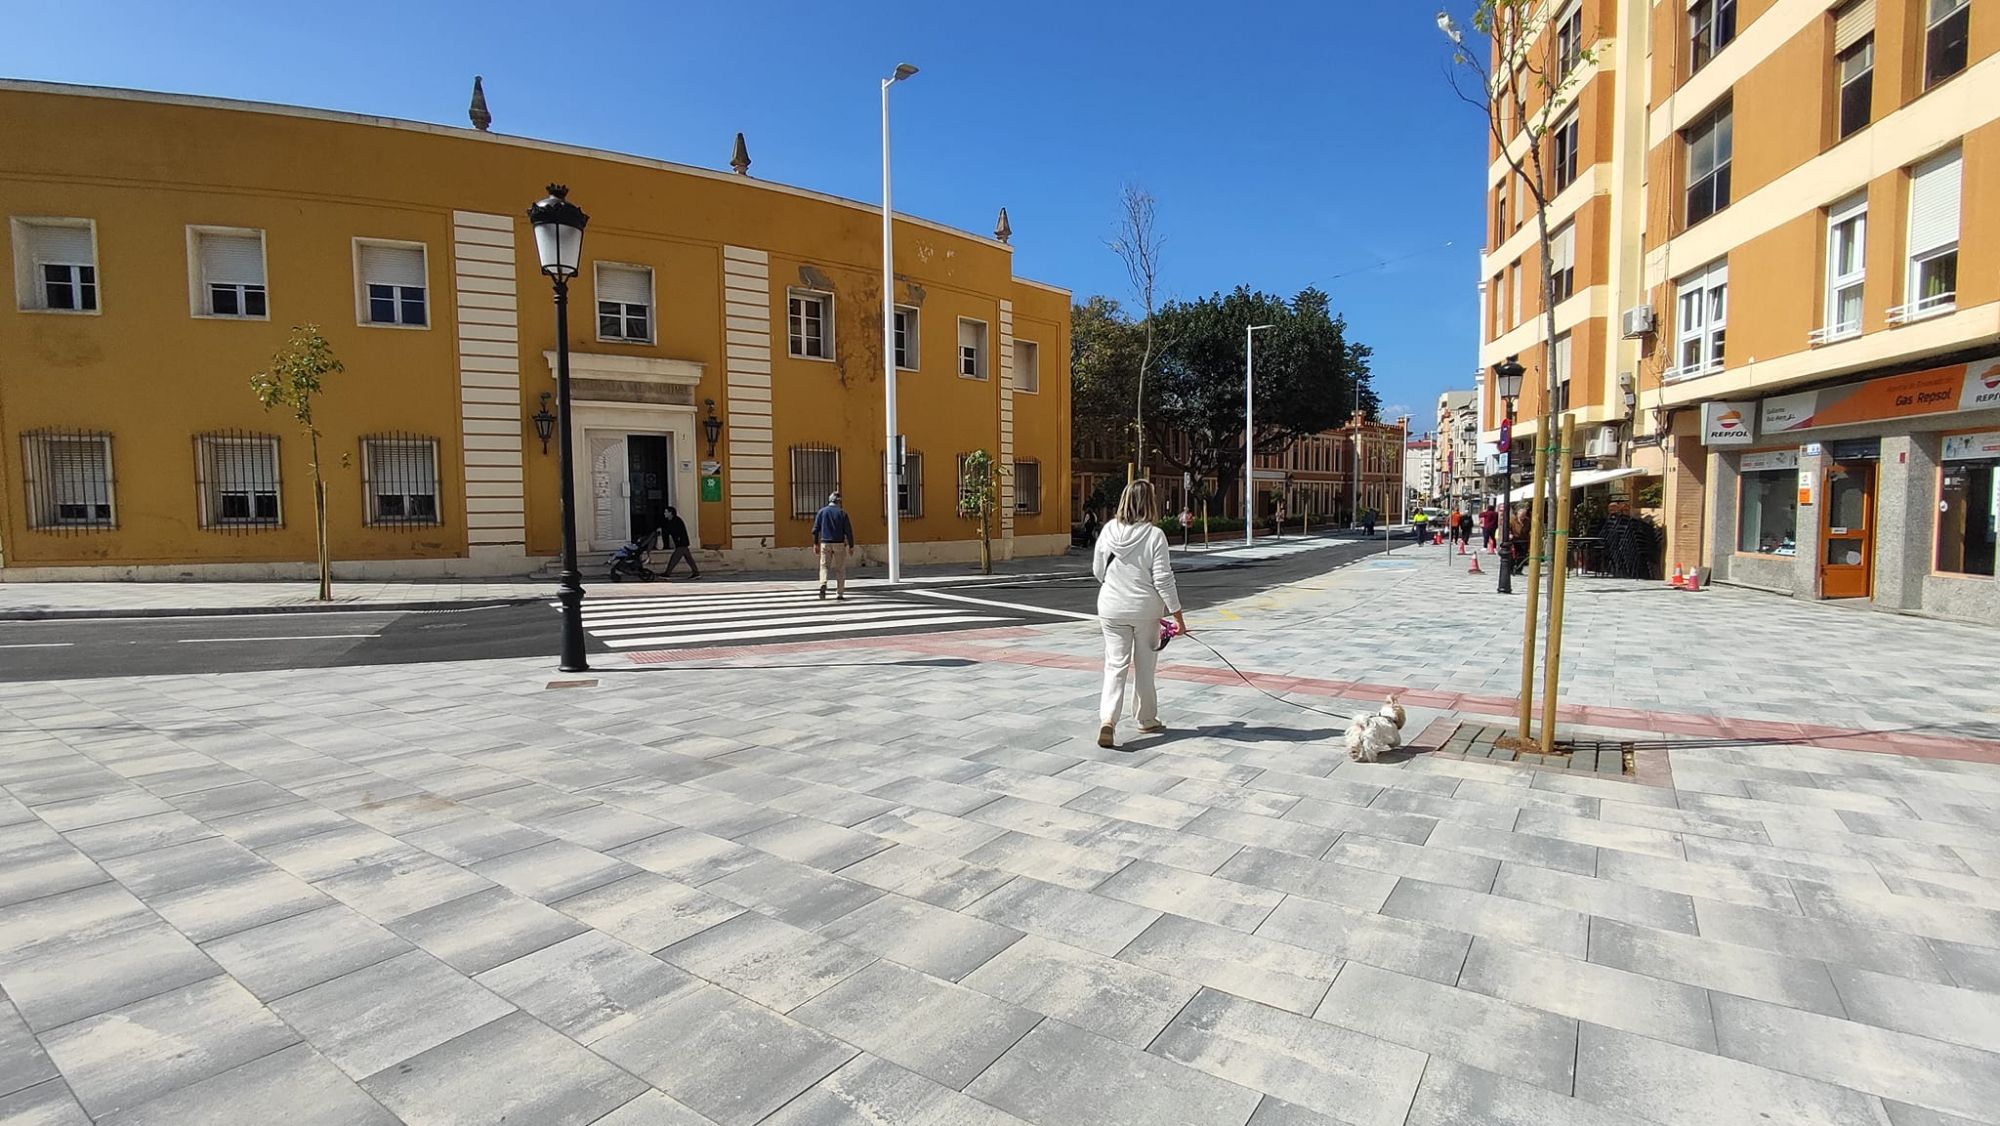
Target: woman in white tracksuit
<point>1132,563</point>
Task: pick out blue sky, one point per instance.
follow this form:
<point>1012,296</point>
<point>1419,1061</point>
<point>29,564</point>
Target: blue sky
<point>1287,143</point>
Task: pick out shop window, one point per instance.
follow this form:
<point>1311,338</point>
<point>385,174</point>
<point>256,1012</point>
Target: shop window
<point>809,317</point>
<point>906,338</point>
<point>1767,510</point>
<point>624,303</point>
<point>229,273</point>
<point>1710,143</point>
<point>1968,517</point>
<point>399,478</point>
<point>815,476</point>
<point>1711,25</point>
<point>55,265</point>
<point>1945,32</point>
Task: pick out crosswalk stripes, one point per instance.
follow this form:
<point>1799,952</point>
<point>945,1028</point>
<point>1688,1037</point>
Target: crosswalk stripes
<point>765,617</point>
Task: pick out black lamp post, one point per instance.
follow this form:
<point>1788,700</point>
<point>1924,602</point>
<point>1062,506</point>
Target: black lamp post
<point>1507,384</point>
<point>558,225</point>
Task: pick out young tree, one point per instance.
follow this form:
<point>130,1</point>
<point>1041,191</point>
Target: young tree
<point>1105,350</point>
<point>1137,245</point>
<point>293,381</point>
<point>979,497</point>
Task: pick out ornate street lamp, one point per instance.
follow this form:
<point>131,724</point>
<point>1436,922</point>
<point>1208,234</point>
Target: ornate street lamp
<point>558,225</point>
<point>1507,384</point>
<point>545,423</point>
<point>712,427</point>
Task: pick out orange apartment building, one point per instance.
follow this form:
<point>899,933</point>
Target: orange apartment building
<point>1778,246</point>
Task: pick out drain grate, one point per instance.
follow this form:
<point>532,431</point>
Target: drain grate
<point>1474,740</point>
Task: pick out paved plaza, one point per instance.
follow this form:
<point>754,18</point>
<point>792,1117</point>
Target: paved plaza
<point>896,881</point>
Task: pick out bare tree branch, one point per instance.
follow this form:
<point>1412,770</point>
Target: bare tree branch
<point>1137,245</point>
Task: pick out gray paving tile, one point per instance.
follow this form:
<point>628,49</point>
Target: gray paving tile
<point>1453,1094</point>
<point>1974,967</point>
<point>653,1108</point>
<point>1527,1044</point>
<point>1519,846</point>
<point>45,1104</point>
<point>603,827</point>
<point>394,888</point>
<point>470,840</point>
<point>774,964</point>
<point>511,1068</point>
<point>1706,881</point>
<point>1616,998</point>
<point>1065,915</point>
<point>1313,1064</point>
<point>163,870</point>
<point>383,1014</point>
<point>295,1085</point>
<point>944,881</point>
<point>336,852</point>
<point>795,893</point>
<point>303,950</point>
<point>1435,864</point>
<point>22,1061</point>
<point>226,906</point>
<point>589,986</point>
<point>1903,1114</point>
<point>1117,1000</point>
<point>1942,1012</point>
<point>1683,1087</point>
<point>1261,968</point>
<point>1492,916</point>
<point>1078,867</point>
<point>553,871</point>
<point>123,965</point>
<point>477,932</point>
<point>689,855</point>
<point>727,1058</point>
<point>945,1032</point>
<point>1220,901</point>
<point>805,840</point>
<point>1059,1074</point>
<point>870,1091</point>
<point>1885,910</point>
<point>1643,906</point>
<point>941,943</point>
<point>139,834</point>
<point>932,829</point>
<point>123,1058</point>
<point>1802,983</point>
<point>1269,832</point>
<point>1406,946</point>
<point>1359,888</point>
<point>1887,952</point>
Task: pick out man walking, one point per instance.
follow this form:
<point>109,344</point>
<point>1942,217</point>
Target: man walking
<point>833,539</point>
<point>677,538</point>
<point>1489,525</point>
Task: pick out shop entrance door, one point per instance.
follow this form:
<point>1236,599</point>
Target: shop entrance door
<point>1847,514</point>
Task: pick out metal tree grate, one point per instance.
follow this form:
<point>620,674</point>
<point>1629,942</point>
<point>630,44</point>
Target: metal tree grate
<point>1577,756</point>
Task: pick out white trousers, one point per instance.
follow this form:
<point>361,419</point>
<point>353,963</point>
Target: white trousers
<point>1129,653</point>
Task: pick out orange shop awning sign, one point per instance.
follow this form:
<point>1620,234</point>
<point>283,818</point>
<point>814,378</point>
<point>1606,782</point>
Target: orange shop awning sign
<point>1945,390</point>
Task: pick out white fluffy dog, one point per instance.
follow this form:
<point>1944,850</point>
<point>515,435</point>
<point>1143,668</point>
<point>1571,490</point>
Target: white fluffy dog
<point>1369,735</point>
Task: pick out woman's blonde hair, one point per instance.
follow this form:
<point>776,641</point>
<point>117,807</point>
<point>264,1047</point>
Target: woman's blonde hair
<point>1139,505</point>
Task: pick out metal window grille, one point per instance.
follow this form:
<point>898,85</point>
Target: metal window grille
<point>69,480</point>
<point>1027,486</point>
<point>808,325</point>
<point>399,479</point>
<point>910,490</point>
<point>815,475</point>
<point>237,486</point>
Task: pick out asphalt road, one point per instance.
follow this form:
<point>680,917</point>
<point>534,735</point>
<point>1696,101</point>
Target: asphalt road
<point>53,650</point>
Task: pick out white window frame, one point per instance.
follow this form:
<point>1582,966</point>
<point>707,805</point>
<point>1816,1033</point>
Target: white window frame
<point>795,340</point>
<point>1027,502</point>
<point>1562,259</point>
<point>30,288</point>
<point>198,295</point>
<point>1931,23</point>
<point>1841,81</point>
<point>362,309</point>
<point>1569,24</point>
<point>211,488</point>
<point>1713,119</point>
<point>1031,348</point>
<point>909,324</point>
<point>1571,127</point>
<point>982,362</point>
<point>1707,328</point>
<point>1695,36</point>
<point>35,458</point>
<point>1854,211</point>
<point>1916,306</point>
<point>371,508</point>
<point>624,313</point>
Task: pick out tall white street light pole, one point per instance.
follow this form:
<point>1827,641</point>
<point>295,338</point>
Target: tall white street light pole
<point>1250,434</point>
<point>893,455</point>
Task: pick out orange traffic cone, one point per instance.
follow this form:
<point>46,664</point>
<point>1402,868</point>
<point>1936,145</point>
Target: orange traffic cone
<point>1437,539</point>
<point>1693,581</point>
<point>1461,547</point>
<point>1474,569</point>
<point>1679,580</point>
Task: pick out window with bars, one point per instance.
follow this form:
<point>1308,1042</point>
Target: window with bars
<point>624,303</point>
<point>1563,143</point>
<point>393,283</point>
<point>971,349</point>
<point>907,344</point>
<point>1946,25</point>
<point>910,489</point>
<point>1711,25</point>
<point>1027,485</point>
<point>229,266</point>
<point>55,265</point>
<point>1709,145</point>
<point>815,476</point>
<point>236,480</point>
<point>68,479</point>
<point>810,325</point>
<point>1027,366</point>
<point>399,479</point>
<point>1703,315</point>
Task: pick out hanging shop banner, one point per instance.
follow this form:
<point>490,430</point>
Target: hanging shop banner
<point>1972,447</point>
<point>1728,424</point>
<point>1805,488</point>
<point>1945,390</point>
<point>1769,460</point>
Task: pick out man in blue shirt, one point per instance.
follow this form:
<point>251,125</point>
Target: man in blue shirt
<point>833,539</point>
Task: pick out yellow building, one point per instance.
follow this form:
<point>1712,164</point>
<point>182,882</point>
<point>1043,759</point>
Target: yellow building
<point>163,247</point>
<point>1779,240</point>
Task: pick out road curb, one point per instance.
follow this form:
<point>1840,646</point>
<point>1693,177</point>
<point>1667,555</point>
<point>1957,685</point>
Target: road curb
<point>244,611</point>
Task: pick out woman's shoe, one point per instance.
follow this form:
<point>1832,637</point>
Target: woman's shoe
<point>1153,729</point>
<point>1105,737</point>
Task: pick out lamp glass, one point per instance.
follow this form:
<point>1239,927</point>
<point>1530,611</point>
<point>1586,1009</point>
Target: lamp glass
<point>558,227</point>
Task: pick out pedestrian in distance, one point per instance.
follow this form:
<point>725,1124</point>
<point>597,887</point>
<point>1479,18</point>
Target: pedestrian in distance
<point>676,531</point>
<point>1489,526</point>
<point>1132,564</point>
<point>1420,524</point>
<point>1278,519</point>
<point>833,541</point>
<point>1452,520</point>
<point>1090,527</point>
<point>1368,522</point>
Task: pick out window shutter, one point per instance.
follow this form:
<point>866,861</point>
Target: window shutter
<point>78,472</point>
<point>232,259</point>
<point>1934,203</point>
<point>1562,249</point>
<point>625,285</point>
<point>1851,23</point>
<point>66,246</point>
<point>392,265</point>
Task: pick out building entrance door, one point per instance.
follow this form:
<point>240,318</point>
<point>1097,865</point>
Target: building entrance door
<point>629,485</point>
<point>1847,515</point>
<point>649,470</point>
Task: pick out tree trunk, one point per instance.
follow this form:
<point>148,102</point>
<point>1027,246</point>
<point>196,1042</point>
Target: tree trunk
<point>325,558</point>
<point>985,541</point>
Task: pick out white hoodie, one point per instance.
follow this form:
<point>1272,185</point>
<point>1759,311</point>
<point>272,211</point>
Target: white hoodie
<point>1132,562</point>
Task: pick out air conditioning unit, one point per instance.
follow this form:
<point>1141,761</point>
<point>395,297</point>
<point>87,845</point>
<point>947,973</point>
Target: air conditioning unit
<point>1636,322</point>
<point>1603,444</point>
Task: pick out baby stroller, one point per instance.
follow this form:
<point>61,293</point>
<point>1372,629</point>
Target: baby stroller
<point>633,559</point>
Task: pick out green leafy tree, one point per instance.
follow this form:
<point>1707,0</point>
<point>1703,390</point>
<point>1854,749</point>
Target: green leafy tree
<point>294,382</point>
<point>979,498</point>
<point>1106,351</point>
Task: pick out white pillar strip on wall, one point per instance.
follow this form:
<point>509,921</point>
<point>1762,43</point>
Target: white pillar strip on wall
<point>489,382</point>
<point>1007,422</point>
<point>746,314</point>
